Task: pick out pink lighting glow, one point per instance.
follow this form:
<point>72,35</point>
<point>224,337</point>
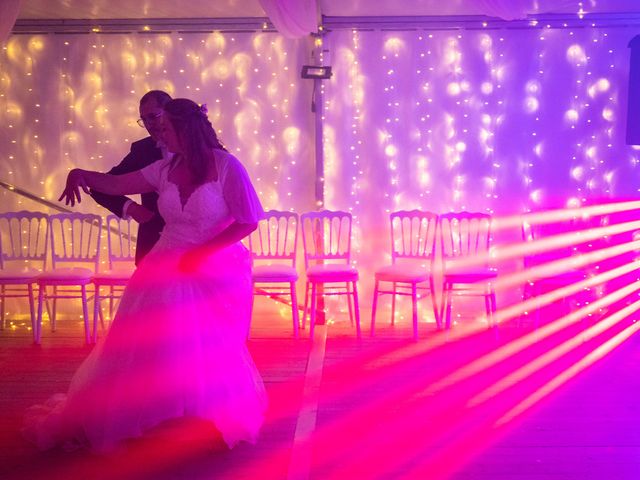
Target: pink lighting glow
<point>523,124</point>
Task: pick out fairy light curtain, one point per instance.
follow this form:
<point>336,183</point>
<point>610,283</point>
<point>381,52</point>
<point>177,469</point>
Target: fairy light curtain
<point>502,121</point>
<point>72,101</point>
<point>496,120</point>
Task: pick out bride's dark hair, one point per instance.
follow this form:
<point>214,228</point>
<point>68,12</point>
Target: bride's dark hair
<point>195,133</point>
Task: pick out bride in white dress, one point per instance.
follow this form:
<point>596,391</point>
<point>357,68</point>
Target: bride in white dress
<point>176,347</point>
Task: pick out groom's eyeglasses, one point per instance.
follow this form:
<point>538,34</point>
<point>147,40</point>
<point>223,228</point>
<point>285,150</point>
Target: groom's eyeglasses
<point>152,117</point>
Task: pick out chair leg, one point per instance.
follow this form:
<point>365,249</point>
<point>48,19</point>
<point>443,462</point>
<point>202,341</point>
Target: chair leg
<point>111,295</point>
<point>434,304</point>
<point>312,314</point>
<point>96,312</point>
<point>32,309</point>
<point>443,303</point>
<point>393,305</point>
<point>306,299</point>
<point>487,307</point>
<point>102,324</point>
<point>2,294</point>
<point>85,314</point>
<point>490,299</point>
<point>356,307</point>
<point>54,309</point>
<point>373,307</point>
<point>294,309</point>
<point>414,306</point>
<point>448,301</point>
<point>494,307</point>
<point>349,293</point>
<point>48,305</point>
<point>36,332</point>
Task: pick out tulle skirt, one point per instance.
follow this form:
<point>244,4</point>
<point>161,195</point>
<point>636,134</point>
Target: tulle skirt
<point>175,348</point>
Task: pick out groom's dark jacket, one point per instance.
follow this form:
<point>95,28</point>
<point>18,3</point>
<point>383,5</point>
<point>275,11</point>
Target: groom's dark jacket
<point>143,152</point>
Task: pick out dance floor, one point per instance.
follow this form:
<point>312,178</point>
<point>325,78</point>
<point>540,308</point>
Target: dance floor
<point>471,403</point>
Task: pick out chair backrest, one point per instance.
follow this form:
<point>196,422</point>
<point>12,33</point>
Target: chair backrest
<point>75,239</point>
<point>276,237</point>
<point>23,238</point>
<point>121,240</point>
<point>326,235</point>
<point>464,234</point>
<point>413,234</point>
<point>533,232</point>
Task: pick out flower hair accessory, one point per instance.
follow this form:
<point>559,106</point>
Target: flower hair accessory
<point>203,109</point>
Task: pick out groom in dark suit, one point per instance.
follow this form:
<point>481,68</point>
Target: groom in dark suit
<point>143,153</point>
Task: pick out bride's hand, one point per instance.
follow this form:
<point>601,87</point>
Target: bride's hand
<point>71,191</point>
<point>191,260</point>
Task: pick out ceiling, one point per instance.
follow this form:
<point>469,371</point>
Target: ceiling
<point>135,9</point>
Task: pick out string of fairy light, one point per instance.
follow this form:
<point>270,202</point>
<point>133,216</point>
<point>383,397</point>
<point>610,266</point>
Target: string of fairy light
<point>355,147</point>
<point>487,91</point>
<point>391,52</point>
<point>424,152</point>
<point>454,146</point>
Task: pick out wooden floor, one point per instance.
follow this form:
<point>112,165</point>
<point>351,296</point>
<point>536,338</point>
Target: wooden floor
<point>471,403</point>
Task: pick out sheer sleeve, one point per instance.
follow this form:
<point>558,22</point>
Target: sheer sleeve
<point>238,192</point>
<point>156,173</point>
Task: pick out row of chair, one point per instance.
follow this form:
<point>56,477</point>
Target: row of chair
<point>73,240</point>
<point>326,239</point>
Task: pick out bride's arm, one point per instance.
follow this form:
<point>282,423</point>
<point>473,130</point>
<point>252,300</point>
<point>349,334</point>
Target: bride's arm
<point>230,235</point>
<point>126,184</point>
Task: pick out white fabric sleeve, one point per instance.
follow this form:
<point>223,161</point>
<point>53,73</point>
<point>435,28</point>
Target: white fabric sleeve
<point>155,173</point>
<point>239,194</point>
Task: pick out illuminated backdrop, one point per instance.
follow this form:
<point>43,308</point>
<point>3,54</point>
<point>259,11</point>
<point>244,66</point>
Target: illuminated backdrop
<point>72,100</point>
<point>496,120</point>
<point>502,120</point>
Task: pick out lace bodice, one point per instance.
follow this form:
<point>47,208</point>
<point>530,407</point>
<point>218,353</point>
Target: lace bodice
<point>210,208</point>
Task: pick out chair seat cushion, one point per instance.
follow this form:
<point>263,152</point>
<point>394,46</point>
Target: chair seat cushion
<point>470,276</point>
<point>18,275</point>
<point>332,273</point>
<point>66,276</point>
<point>402,273</point>
<point>274,273</point>
<point>114,276</point>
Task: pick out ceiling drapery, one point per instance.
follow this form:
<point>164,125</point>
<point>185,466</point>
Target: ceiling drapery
<point>9,10</point>
<point>292,18</point>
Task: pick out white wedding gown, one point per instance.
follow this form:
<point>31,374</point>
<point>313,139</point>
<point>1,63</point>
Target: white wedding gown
<point>177,344</point>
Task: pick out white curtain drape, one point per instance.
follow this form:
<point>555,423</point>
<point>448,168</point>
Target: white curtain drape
<point>9,10</point>
<point>292,18</point>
